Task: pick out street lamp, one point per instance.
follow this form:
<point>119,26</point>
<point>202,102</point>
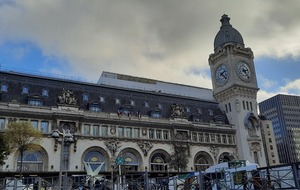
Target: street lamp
<point>65,136</point>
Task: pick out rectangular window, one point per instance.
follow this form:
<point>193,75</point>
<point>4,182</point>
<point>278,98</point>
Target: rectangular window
<point>86,129</point>
<point>206,137</point>
<point>128,132</point>
<point>229,139</point>
<point>34,124</point>
<point>95,131</point>
<point>251,106</point>
<point>44,126</point>
<point>104,131</point>
<point>226,108</point>
<point>120,132</point>
<point>247,104</point>
<point>229,105</point>
<point>211,112</point>
<point>166,135</point>
<point>219,139</point>
<point>213,137</point>
<point>201,137</point>
<point>136,133</point>
<point>2,123</point>
<point>151,134</point>
<point>158,134</point>
<point>34,102</point>
<point>243,104</point>
<point>224,139</point>
<point>194,137</point>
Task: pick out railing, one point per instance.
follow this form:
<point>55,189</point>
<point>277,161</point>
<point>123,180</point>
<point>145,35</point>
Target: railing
<point>278,177</point>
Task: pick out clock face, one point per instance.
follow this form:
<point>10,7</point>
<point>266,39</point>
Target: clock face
<point>222,74</point>
<point>244,72</point>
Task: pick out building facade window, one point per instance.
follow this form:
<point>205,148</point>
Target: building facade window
<point>136,133</point>
<point>25,90</point>
<point>132,103</point>
<point>117,101</point>
<point>151,134</point>
<point>2,124</point>
<point>86,129</point>
<point>146,104</point>
<point>35,102</point>
<point>34,124</point>
<point>95,108</point>
<point>120,132</point>
<point>158,134</point>
<point>85,97</point>
<point>95,130</point>
<point>104,130</point>
<point>44,126</point>
<point>4,88</point>
<point>32,161</point>
<point>95,159</point>
<point>101,99</point>
<point>128,132</point>
<point>166,135</point>
<point>45,92</point>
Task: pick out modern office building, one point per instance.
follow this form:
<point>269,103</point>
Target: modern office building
<point>284,112</point>
<point>140,121</point>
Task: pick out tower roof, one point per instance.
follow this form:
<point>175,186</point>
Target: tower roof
<point>227,34</point>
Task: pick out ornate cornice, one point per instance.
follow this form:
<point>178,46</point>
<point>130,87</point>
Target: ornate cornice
<point>236,91</point>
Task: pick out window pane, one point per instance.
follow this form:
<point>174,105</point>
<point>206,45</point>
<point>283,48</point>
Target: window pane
<point>86,129</point>
<point>34,124</point>
<point>2,123</point>
<point>45,93</point>
<point>136,133</point>
<point>44,126</point>
<point>158,134</point>
<point>95,130</point>
<point>151,134</point>
<point>129,132</point>
<point>120,132</point>
<point>166,135</point>
<point>104,131</point>
<point>4,88</point>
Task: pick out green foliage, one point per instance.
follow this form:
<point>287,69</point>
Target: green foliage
<point>179,158</point>
<point>4,150</point>
<point>21,136</point>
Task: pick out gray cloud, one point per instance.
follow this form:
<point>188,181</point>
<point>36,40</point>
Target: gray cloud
<point>160,39</point>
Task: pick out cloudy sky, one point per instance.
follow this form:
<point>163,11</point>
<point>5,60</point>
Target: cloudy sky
<point>168,40</point>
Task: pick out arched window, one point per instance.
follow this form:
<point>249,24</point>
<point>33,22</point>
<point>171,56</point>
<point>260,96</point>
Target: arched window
<point>158,162</point>
<point>131,161</point>
<point>201,163</point>
<point>32,161</point>
<point>95,159</point>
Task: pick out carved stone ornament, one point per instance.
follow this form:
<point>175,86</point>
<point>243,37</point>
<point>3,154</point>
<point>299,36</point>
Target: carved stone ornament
<point>113,130</point>
<point>255,147</point>
<point>237,105</point>
<point>177,111</point>
<point>113,146</point>
<point>67,97</point>
<point>145,147</point>
<point>215,151</point>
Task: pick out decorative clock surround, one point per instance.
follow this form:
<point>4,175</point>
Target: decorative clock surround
<point>222,74</point>
<point>243,71</point>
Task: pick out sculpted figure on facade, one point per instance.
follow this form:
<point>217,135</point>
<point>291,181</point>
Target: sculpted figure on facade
<point>145,147</point>
<point>215,151</point>
<point>177,111</point>
<point>67,97</point>
<point>113,146</point>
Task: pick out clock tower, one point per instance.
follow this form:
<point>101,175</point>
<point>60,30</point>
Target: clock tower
<point>235,88</point>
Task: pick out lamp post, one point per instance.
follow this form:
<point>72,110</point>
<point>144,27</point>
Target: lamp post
<point>65,136</point>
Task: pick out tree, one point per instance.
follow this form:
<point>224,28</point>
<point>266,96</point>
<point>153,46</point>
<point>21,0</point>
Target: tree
<point>4,150</point>
<point>21,136</point>
<point>179,158</point>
